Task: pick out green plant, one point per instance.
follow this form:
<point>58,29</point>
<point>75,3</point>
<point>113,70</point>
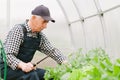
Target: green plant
<point>94,65</point>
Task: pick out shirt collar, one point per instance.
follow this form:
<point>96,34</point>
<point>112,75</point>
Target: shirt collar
<point>29,31</point>
<point>27,27</point>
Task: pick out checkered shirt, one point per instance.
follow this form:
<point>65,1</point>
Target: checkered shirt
<point>15,38</point>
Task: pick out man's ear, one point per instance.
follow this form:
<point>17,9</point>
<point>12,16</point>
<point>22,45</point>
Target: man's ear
<point>33,17</point>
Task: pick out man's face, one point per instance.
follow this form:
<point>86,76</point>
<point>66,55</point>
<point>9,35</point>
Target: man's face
<point>38,23</point>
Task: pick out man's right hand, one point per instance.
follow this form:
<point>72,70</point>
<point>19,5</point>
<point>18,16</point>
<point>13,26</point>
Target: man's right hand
<point>26,67</point>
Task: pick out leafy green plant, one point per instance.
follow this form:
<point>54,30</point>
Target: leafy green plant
<point>94,65</point>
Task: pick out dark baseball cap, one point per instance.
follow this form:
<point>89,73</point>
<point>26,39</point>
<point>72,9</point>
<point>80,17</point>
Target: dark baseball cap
<point>43,12</point>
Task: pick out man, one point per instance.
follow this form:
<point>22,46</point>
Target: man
<point>22,42</point>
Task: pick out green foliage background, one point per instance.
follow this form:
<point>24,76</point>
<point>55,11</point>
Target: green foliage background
<point>94,65</point>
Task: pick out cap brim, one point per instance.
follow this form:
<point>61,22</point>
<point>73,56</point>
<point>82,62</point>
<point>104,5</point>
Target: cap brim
<point>48,19</point>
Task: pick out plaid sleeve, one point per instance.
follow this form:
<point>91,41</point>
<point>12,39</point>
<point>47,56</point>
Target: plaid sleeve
<point>11,46</point>
<point>48,49</point>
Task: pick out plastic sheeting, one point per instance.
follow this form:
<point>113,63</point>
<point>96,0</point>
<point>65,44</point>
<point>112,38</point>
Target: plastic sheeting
<point>83,24</point>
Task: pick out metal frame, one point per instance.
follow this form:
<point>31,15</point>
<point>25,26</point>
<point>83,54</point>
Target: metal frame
<point>82,22</point>
<point>8,13</point>
<point>82,19</point>
<point>68,22</point>
<point>100,14</point>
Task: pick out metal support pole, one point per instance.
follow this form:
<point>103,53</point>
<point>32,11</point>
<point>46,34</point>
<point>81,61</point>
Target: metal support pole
<point>68,22</point>
<point>82,22</point>
<point>8,13</point>
<point>102,22</point>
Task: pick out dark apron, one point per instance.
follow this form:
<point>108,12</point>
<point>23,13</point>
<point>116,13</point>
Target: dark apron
<point>26,53</point>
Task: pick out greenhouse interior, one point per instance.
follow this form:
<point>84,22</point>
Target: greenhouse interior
<point>84,40</point>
